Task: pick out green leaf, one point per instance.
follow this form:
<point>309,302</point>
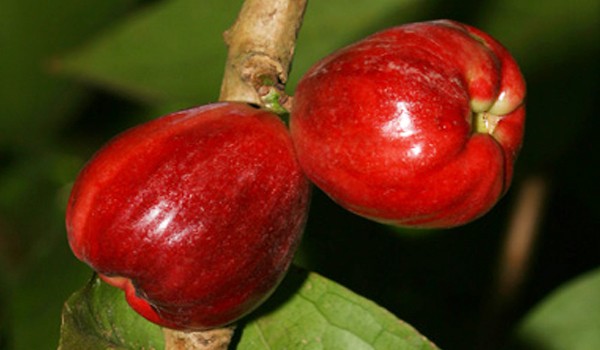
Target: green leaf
<point>98,317</point>
<point>309,311</point>
<point>569,318</point>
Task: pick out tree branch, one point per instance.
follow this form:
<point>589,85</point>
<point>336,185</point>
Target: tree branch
<point>515,258</point>
<point>261,47</point>
<point>214,339</point>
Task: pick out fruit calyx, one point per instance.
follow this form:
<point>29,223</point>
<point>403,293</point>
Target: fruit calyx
<point>485,122</point>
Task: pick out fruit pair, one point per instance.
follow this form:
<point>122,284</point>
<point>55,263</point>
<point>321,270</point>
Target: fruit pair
<point>197,215</point>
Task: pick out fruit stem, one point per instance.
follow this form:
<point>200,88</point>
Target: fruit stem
<point>261,47</point>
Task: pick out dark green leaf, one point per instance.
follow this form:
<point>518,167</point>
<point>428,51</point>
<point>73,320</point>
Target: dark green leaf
<point>173,51</point>
<point>540,31</point>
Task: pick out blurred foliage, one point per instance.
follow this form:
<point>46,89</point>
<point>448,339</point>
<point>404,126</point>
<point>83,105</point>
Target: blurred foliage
<point>73,74</point>
<point>577,302</point>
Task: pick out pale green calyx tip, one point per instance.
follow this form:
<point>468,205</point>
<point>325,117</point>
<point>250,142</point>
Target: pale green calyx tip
<point>485,122</point>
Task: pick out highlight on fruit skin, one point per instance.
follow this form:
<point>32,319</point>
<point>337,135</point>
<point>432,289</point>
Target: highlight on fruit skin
<point>195,215</point>
<point>417,126</point>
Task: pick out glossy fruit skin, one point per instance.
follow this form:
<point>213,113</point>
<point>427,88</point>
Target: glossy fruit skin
<point>417,126</point>
<point>195,215</point>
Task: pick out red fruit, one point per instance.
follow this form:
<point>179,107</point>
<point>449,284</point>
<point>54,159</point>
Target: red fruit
<point>417,125</point>
<point>195,215</point>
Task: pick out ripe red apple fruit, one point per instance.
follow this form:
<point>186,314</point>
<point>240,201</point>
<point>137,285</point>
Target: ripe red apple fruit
<point>418,125</point>
<point>195,215</point>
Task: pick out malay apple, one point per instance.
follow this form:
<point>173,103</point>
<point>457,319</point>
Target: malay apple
<point>418,125</point>
<point>195,215</point>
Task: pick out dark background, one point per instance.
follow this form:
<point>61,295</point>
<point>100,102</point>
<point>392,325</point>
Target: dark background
<point>74,73</point>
